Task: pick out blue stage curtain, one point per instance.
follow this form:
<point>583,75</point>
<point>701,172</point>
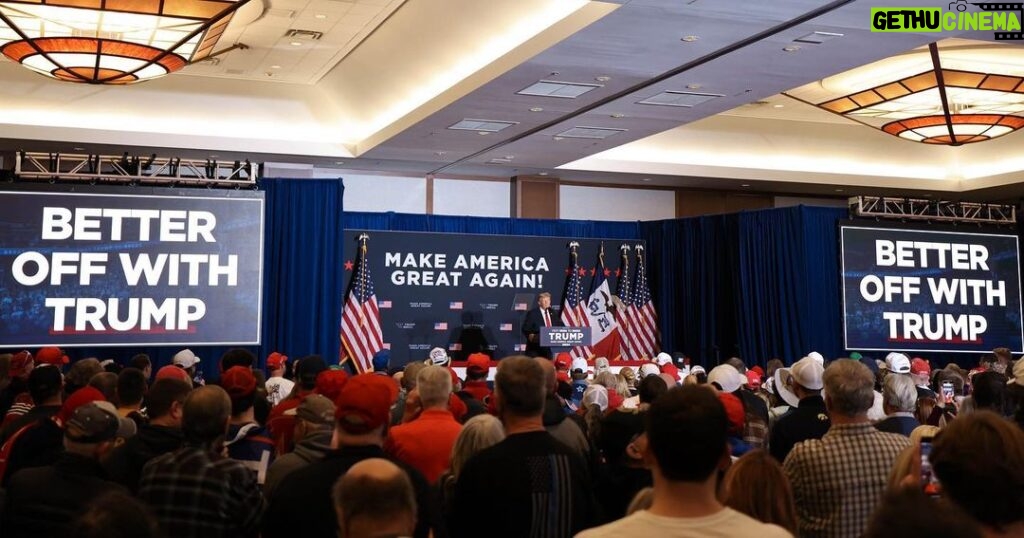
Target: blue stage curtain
<point>757,285</point>
<point>303,277</point>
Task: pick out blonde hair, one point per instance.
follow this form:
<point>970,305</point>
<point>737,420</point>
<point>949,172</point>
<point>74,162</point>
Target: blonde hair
<point>478,433</point>
<point>757,486</point>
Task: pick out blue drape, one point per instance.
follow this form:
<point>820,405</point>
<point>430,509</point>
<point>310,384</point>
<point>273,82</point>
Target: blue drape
<point>757,284</point>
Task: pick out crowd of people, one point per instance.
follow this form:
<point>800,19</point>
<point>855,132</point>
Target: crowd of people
<point>526,447</point>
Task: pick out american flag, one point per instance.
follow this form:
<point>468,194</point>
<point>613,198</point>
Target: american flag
<point>361,336</point>
<point>622,314</point>
<point>573,301</point>
<point>643,318</point>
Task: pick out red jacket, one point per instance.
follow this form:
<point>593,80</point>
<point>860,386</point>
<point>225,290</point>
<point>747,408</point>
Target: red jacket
<point>479,390</point>
<point>425,443</point>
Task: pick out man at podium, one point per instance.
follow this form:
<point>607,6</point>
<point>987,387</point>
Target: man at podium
<point>542,316</point>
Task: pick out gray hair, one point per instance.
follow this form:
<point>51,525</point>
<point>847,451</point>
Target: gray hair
<point>478,433</point>
<point>849,387</point>
<point>607,379</point>
<point>899,393</point>
<point>435,386</point>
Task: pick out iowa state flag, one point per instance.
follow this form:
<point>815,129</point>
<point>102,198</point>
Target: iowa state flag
<point>605,340</point>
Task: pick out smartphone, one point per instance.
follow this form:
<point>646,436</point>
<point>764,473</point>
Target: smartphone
<point>947,391</point>
<point>929,483</point>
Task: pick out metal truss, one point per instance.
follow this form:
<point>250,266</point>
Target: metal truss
<point>932,210</point>
<point>135,169</point>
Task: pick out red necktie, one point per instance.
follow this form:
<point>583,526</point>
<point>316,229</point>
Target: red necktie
<point>547,320</point>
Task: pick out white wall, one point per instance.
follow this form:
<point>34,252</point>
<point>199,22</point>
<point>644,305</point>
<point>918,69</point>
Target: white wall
<point>789,201</point>
<point>472,198</point>
<point>605,203</point>
<point>367,192</point>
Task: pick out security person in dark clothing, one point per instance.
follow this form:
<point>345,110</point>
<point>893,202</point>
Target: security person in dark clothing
<point>808,419</point>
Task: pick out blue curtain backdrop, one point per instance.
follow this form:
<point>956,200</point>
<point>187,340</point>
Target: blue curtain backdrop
<point>757,284</point>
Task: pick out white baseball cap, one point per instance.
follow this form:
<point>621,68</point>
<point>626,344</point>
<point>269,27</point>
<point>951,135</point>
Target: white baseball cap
<point>898,363</point>
<point>808,373</point>
<point>185,358</point>
<point>601,365</point>
<point>663,359</point>
<point>698,369</point>
<point>727,377</point>
<point>438,357</point>
<point>649,368</point>
<point>579,363</point>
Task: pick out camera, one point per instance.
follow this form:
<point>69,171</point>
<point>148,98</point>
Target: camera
<point>959,5</point>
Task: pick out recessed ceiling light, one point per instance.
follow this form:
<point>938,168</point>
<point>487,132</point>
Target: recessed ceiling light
<point>745,185</point>
<point>690,38</point>
<point>693,86</point>
<point>791,48</point>
<point>839,190</point>
<point>557,139</point>
<point>617,116</point>
<point>492,126</point>
<point>778,106</point>
<point>603,78</point>
<point>275,67</point>
<point>646,179</point>
<point>320,16</point>
<point>536,109</point>
<point>440,153</point>
<point>339,162</point>
<point>78,149</point>
<point>296,43</point>
<point>214,156</point>
<point>542,173</point>
<point>483,133</point>
<point>509,157</point>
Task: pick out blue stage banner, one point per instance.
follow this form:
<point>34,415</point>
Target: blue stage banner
<point>930,290</point>
<point>154,267</point>
<point>468,293</point>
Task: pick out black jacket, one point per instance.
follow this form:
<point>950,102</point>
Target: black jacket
<point>44,501</point>
<point>531,325</point>
<point>302,501</point>
<point>125,463</point>
<point>808,421</point>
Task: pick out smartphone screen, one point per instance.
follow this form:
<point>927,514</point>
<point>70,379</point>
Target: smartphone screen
<point>947,391</point>
<point>929,483</point>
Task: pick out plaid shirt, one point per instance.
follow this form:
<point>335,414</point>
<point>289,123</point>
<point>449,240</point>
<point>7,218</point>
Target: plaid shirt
<point>838,479</point>
<point>195,493</point>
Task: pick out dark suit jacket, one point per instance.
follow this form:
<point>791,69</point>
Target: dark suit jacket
<point>531,325</point>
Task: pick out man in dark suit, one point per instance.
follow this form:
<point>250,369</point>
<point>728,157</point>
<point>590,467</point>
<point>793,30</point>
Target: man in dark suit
<point>542,316</point>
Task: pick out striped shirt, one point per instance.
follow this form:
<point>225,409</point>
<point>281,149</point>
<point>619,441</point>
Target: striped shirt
<point>195,493</point>
<point>839,479</point>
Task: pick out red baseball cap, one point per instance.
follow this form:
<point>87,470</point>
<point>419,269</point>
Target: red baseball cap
<point>478,362</point>
<point>330,382</point>
<point>757,369</point>
<point>563,376</point>
<point>51,355</point>
<point>238,381</point>
<point>671,370</point>
<point>276,360</point>
<point>173,372</point>
<point>733,412</point>
<point>920,366</point>
<point>365,403</point>
<point>77,399</point>
<point>563,361</point>
<point>753,379</point>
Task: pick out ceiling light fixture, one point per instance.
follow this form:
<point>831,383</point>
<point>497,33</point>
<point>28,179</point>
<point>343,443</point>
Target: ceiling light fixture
<point>791,48</point>
<point>296,43</point>
<point>536,109</point>
<point>111,41</point>
<point>275,67</point>
<point>950,93</point>
<point>690,38</point>
<point>320,16</point>
<point>603,78</point>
